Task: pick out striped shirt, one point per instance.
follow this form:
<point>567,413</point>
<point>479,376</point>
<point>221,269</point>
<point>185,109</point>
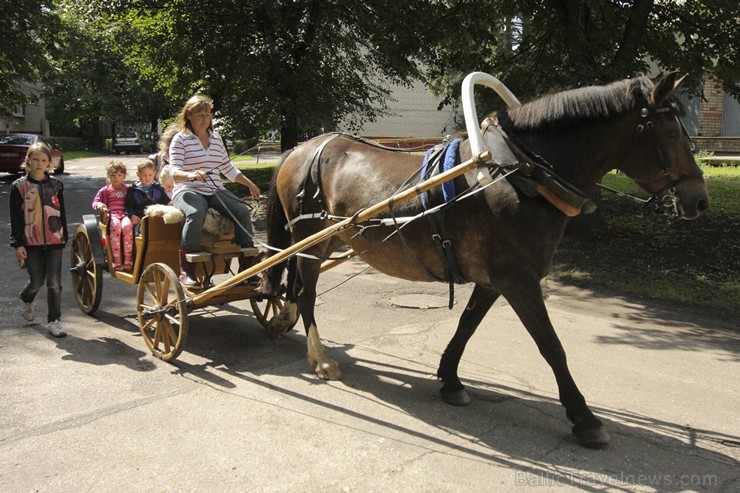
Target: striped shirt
<point>188,155</point>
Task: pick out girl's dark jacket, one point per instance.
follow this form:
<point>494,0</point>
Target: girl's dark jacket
<point>37,214</point>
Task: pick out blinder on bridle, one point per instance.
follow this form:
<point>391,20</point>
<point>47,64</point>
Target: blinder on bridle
<point>665,197</point>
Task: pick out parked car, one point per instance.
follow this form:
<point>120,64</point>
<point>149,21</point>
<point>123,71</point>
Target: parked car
<point>131,142</point>
<point>13,149</point>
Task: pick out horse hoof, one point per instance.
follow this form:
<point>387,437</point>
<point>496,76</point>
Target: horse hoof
<point>273,333</point>
<point>595,438</point>
<point>455,397</point>
<point>328,371</point>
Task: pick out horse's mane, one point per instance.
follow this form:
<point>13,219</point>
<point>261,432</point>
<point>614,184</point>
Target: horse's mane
<point>575,106</point>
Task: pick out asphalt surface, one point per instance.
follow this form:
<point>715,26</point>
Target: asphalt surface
<point>238,411</point>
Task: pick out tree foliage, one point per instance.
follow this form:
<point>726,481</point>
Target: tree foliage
<point>302,66</point>
<point>25,47</point>
<point>293,65</point>
<point>90,82</point>
<point>539,46</point>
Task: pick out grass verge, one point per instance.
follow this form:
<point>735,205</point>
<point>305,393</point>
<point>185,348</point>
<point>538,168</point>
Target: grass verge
<point>634,251</point>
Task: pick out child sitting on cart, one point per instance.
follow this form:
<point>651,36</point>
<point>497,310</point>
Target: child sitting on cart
<point>144,193</point>
<point>166,180</point>
<point>110,202</point>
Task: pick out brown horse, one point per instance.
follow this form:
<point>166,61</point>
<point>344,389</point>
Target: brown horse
<point>504,236</point>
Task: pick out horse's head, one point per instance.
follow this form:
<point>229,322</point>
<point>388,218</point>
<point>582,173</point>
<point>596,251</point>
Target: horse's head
<point>660,158</point>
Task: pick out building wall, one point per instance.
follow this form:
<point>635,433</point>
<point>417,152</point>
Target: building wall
<point>30,119</point>
<point>412,115</point>
<point>710,110</point>
<point>715,133</point>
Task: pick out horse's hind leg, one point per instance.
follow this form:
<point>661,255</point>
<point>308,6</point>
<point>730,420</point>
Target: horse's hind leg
<point>452,390</point>
<point>308,275</point>
<point>527,302</point>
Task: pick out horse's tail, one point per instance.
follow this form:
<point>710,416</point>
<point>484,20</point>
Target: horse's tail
<point>277,236</point>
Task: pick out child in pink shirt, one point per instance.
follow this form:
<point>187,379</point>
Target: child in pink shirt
<point>111,200</point>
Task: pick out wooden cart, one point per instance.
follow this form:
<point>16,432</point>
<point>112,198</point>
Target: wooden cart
<point>163,303</point>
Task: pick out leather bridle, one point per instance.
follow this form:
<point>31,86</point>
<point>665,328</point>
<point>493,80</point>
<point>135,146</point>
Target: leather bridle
<point>666,196</point>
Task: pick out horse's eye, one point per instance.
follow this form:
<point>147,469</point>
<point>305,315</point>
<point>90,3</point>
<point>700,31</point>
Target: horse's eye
<point>672,134</point>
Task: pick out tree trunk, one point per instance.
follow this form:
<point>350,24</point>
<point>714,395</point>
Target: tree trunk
<point>112,136</point>
<point>289,130</point>
<point>96,140</point>
<point>632,37</point>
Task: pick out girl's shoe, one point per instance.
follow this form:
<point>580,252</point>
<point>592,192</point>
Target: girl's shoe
<point>27,311</point>
<point>55,329</point>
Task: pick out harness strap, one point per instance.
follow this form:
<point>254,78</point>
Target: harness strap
<point>315,160</point>
<point>316,215</point>
<point>452,272</point>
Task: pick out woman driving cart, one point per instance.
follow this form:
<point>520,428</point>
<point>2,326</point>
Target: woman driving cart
<point>198,158</point>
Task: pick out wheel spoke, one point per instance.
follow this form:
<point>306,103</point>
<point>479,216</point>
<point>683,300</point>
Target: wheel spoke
<point>148,324</point>
<point>165,290</point>
<point>157,336</point>
<point>87,289</point>
<point>166,332</point>
<point>152,294</point>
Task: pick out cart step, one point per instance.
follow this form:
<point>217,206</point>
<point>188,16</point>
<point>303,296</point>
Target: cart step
<point>207,256</point>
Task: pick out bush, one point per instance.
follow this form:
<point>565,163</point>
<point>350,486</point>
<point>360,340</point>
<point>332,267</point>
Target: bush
<point>243,145</point>
<point>70,143</point>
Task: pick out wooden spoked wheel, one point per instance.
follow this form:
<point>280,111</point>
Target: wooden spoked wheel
<point>87,276</point>
<point>163,311</point>
<point>265,309</point>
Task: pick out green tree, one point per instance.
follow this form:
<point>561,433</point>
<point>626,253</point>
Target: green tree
<point>295,65</point>
<point>90,83</point>
<point>538,46</point>
<point>25,44</point>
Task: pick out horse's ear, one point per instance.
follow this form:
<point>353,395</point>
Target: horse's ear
<point>665,87</point>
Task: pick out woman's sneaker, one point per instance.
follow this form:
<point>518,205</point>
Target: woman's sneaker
<point>27,311</point>
<point>55,329</point>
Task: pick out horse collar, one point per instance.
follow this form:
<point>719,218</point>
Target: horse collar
<point>543,180</point>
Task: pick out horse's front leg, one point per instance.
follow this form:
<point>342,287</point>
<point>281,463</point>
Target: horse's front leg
<point>453,392</point>
<point>526,300</point>
<point>308,275</point>
<point>288,316</point>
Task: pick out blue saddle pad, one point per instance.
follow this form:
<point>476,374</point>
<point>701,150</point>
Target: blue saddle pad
<point>448,159</point>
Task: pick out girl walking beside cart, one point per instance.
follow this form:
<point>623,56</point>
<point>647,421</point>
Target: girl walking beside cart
<point>110,201</point>
<point>38,224</point>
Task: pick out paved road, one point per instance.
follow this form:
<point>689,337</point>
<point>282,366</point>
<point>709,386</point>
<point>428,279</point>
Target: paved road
<point>240,412</point>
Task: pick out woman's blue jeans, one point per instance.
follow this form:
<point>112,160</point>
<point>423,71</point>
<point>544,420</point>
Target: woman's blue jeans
<point>195,205</point>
